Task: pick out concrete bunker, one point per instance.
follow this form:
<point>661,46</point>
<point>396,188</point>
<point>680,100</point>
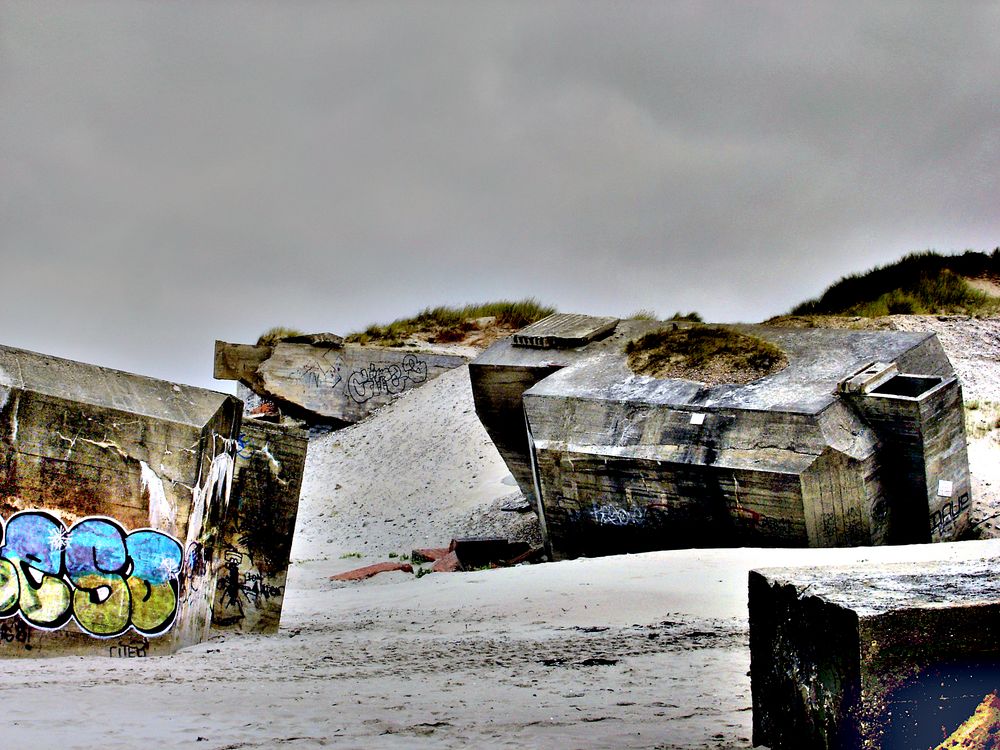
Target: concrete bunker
<point>859,440</point>
<point>116,512</point>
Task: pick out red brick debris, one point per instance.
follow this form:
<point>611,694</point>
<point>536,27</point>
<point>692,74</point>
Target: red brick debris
<point>447,564</point>
<point>429,554</point>
<point>359,574</point>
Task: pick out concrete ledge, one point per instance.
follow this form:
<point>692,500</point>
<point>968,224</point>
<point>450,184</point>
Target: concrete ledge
<point>875,656</point>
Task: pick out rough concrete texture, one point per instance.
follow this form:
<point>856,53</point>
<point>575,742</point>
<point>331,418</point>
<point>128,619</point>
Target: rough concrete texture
<point>113,493</point>
<point>563,331</point>
<point>330,382</point>
<point>627,462</point>
<point>259,527</point>
<point>880,656</point>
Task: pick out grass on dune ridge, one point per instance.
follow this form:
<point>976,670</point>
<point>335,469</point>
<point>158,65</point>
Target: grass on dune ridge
<point>919,284</point>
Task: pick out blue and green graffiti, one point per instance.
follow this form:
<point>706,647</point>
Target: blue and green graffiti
<point>94,573</point>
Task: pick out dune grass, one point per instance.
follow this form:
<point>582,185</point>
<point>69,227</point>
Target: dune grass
<point>708,354</point>
<point>645,313</point>
<point>443,324</point>
<point>272,336</point>
<point>919,284</point>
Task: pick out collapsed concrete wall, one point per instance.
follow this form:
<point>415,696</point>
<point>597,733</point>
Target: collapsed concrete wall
<point>619,462</point>
<point>115,508</point>
<point>324,380</point>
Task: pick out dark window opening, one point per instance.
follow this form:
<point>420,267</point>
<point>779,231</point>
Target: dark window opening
<point>911,386</point>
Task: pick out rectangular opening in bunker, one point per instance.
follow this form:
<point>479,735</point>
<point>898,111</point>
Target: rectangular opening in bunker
<point>910,386</point>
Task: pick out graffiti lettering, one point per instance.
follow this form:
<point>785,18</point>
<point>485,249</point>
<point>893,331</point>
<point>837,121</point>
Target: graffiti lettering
<point>944,519</point>
<point>15,631</point>
<point>244,447</point>
<point>130,648</point>
<point>94,573</point>
<point>316,374</point>
<point>610,515</point>
<point>385,379</point>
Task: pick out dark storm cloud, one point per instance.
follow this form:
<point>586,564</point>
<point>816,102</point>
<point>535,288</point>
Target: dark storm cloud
<point>177,172</point>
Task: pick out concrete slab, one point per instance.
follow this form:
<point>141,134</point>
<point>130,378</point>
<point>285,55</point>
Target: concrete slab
<point>329,382</point>
<point>879,656</point>
<point>563,331</point>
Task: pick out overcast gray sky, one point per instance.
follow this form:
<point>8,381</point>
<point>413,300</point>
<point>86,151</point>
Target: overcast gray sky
<point>176,172</point>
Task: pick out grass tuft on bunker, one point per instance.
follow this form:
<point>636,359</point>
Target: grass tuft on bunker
<point>707,354</point>
<point>452,324</point>
<point>276,335</point>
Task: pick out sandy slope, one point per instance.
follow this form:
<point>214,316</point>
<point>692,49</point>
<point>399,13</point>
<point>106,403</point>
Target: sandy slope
<point>417,474</point>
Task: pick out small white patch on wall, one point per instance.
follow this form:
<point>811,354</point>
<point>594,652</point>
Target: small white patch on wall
<point>162,512</point>
<point>5,386</point>
<point>945,488</point>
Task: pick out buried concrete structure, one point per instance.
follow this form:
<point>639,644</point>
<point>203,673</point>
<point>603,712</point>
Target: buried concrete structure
<point>887,656</point>
<point>859,440</point>
<point>322,380</point>
<point>115,509</point>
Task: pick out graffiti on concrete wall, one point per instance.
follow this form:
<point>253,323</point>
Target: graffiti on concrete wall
<point>944,520</point>
<point>318,374</point>
<point>96,574</point>
<point>242,585</point>
<point>610,515</point>
<point>380,379</point>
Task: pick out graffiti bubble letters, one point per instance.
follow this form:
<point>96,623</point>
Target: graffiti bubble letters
<point>385,379</point>
<point>94,573</point>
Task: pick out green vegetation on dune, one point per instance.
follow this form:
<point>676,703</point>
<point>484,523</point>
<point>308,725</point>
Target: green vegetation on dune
<point>919,284</point>
<point>443,324</point>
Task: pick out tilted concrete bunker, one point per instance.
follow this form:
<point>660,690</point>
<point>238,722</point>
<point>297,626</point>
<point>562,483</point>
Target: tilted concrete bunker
<point>116,524</point>
<point>859,440</point>
<point>321,379</point>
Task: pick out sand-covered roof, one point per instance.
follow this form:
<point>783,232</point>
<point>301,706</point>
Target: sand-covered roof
<point>818,359</point>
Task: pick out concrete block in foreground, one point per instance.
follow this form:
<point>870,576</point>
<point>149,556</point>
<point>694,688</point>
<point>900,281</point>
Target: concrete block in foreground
<point>114,489</point>
<point>882,656</point>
